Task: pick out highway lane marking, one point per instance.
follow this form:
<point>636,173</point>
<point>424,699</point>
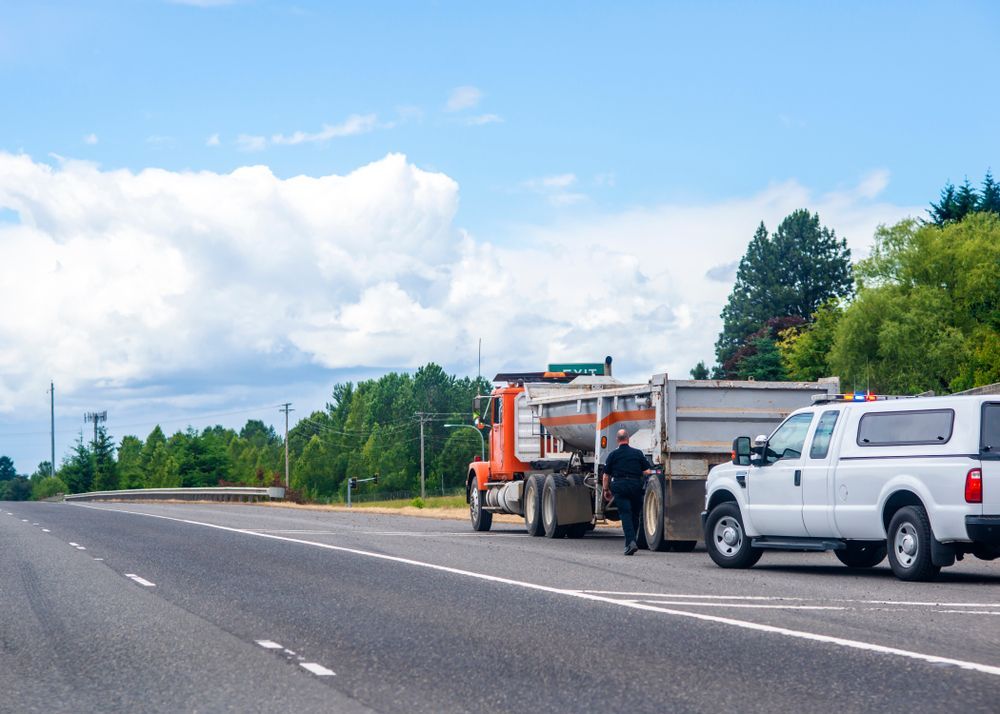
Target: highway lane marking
<point>80,547</point>
<point>98,558</point>
<point>389,533</point>
<point>916,603</point>
<point>582,595</point>
<point>74,544</point>
<point>268,644</point>
<point>142,581</point>
<point>46,530</point>
<point>691,603</point>
<point>317,669</point>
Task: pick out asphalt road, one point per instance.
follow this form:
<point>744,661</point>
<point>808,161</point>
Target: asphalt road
<point>156,607</point>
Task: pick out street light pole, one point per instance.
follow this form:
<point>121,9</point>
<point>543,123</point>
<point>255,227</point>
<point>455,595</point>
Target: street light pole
<point>482,439</point>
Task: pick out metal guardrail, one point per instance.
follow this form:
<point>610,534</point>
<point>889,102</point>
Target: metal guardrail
<point>221,493</point>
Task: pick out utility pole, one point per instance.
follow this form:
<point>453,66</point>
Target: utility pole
<point>97,418</point>
<point>286,407</point>
<point>423,419</point>
<point>479,364</point>
<point>52,426</point>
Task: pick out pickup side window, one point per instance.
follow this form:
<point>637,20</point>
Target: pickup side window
<point>926,426</point>
<point>989,445</point>
<point>824,430</point>
<point>788,440</point>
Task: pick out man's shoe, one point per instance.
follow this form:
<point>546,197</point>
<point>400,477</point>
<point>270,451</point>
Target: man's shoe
<point>631,548</point>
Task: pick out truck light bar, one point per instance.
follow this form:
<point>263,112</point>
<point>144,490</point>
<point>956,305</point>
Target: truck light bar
<point>856,397</point>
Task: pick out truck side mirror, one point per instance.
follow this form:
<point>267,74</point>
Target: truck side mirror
<point>741,451</point>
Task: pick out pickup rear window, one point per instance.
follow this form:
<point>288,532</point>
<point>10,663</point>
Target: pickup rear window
<point>990,444</point>
<point>824,430</point>
<point>927,426</point>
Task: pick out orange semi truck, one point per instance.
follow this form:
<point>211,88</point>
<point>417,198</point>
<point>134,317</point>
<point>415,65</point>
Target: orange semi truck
<point>550,434</point>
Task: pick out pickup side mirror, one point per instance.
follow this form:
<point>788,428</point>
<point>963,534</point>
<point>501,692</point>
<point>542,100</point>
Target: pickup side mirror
<point>741,451</point>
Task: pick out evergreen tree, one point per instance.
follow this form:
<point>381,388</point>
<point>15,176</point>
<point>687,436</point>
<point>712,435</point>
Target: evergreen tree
<point>7,470</point>
<point>788,274</point>
<point>78,469</point>
<point>130,473</point>
<point>699,371</point>
<point>162,470</point>
<point>105,468</point>
<point>966,200</point>
<point>946,209</point>
<point>989,197</point>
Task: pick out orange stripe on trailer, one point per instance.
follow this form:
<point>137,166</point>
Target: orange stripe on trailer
<point>632,415</point>
<point>612,418</point>
<point>567,420</point>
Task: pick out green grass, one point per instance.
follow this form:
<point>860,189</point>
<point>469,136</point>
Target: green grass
<point>429,502</point>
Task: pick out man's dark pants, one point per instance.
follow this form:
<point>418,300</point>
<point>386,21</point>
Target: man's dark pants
<point>628,498</point>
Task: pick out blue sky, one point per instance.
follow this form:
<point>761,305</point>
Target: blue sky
<point>627,135</point>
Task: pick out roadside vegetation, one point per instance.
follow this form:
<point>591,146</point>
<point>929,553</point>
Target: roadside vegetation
<point>920,313</point>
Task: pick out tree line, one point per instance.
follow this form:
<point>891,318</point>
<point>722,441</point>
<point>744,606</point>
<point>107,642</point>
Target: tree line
<point>369,427</point>
<point>920,313</point>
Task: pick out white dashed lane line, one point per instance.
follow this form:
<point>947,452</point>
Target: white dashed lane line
<point>46,530</point>
<point>314,667</point>
<point>142,581</point>
<point>317,669</point>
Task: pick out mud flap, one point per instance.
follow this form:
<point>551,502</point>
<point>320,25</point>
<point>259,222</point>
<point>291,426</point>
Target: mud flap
<point>684,501</point>
<point>574,505</point>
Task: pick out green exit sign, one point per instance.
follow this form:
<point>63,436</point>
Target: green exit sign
<point>595,368</point>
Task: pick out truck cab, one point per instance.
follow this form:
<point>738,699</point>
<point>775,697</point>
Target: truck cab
<point>916,479</point>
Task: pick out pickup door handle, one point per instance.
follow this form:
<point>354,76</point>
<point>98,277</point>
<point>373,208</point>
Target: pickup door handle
<point>741,479</point>
<point>798,477</point>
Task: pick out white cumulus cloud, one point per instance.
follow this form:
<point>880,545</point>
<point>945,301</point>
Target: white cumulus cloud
<point>125,280</point>
<point>461,98</point>
<point>90,139</point>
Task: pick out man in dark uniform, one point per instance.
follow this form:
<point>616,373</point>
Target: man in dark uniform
<point>623,478</point>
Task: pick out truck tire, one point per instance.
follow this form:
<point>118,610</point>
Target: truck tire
<point>533,505</point>
<point>652,524</point>
<point>481,519</point>
<point>909,545</point>
<point>727,542</point>
<point>861,554</point>
<point>683,546</point>
<point>550,495</point>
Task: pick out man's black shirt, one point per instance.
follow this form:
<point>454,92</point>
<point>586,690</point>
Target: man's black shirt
<point>626,462</point>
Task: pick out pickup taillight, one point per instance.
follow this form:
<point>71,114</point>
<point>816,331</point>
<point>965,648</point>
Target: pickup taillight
<point>974,486</point>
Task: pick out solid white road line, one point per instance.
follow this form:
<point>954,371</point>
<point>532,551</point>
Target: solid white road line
<point>268,644</point>
<point>792,599</point>
<point>317,669</point>
<point>742,624</point>
<point>141,581</point>
<point>693,603</point>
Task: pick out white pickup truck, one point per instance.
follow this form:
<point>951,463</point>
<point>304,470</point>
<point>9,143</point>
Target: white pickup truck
<point>863,475</point>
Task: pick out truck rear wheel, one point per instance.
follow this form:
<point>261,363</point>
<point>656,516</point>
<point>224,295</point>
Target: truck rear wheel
<point>909,545</point>
<point>726,540</point>
<point>550,492</point>
<point>533,505</point>
<point>652,516</point>
<point>481,519</point>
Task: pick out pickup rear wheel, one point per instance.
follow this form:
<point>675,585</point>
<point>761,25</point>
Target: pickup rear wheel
<point>481,519</point>
<point>861,554</point>
<point>533,505</point>
<point>909,545</point>
<point>727,542</point>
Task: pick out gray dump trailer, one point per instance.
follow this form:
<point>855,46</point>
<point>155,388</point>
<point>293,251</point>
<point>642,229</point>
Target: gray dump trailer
<point>565,430</point>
